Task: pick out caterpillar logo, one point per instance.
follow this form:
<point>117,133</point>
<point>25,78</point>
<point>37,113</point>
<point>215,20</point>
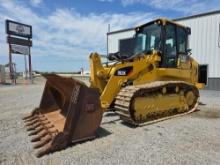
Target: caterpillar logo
<point>124,71</point>
<point>121,72</point>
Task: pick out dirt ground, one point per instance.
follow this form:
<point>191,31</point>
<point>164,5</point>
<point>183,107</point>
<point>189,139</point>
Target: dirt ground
<point>191,139</point>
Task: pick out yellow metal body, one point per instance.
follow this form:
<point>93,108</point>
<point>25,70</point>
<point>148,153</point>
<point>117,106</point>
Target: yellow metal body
<point>145,69</point>
<point>158,104</point>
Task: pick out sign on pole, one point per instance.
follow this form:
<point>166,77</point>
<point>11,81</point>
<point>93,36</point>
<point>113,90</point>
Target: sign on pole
<point>17,49</point>
<point>20,44</point>
<point>19,41</point>
<point>18,29</point>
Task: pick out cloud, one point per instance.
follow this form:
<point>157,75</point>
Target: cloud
<point>35,2</point>
<point>186,7</point>
<point>183,6</point>
<point>66,33</point>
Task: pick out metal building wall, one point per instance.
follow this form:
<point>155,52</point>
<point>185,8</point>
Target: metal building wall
<point>113,39</point>
<point>205,44</point>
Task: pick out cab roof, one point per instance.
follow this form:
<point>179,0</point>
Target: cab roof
<point>162,20</point>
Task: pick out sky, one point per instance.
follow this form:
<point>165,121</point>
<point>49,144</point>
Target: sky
<point>65,32</point>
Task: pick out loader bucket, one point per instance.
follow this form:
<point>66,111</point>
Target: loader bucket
<point>69,112</point>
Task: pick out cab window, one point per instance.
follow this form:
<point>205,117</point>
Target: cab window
<point>170,47</point>
<point>182,40</point>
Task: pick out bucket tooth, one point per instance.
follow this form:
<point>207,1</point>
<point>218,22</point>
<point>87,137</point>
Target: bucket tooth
<point>42,118</point>
<point>33,127</point>
<point>37,118</point>
<point>34,112</point>
<point>35,124</point>
<point>30,119</point>
<point>45,122</point>
<point>43,141</point>
<point>30,128</point>
<point>40,128</point>
<point>48,125</point>
<point>34,132</point>
<point>44,150</point>
<point>30,116</point>
<point>53,130</point>
<point>32,122</point>
<point>39,136</point>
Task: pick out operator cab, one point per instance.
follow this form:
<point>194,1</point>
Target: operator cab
<point>166,37</point>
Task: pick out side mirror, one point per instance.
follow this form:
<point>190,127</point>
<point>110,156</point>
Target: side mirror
<point>113,56</point>
<point>188,29</point>
<point>189,52</point>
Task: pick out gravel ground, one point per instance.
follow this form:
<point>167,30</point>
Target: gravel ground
<point>191,139</point>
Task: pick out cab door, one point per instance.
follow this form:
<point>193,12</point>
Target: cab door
<point>182,44</point>
<point>169,57</point>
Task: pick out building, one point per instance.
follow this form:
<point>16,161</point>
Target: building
<point>204,42</point>
<point>2,74</point>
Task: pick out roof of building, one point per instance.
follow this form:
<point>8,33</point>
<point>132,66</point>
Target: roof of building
<point>176,19</point>
<point>120,31</point>
<point>198,15</point>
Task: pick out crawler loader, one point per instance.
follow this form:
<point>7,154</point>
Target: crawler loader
<point>151,78</point>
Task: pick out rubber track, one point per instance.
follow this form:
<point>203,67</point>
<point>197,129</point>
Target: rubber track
<point>127,94</point>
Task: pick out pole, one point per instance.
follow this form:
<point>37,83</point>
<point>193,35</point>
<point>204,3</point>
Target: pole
<point>107,37</point>
<point>15,75</point>
<point>10,63</point>
<point>30,68</point>
<point>25,63</point>
<point>107,42</point>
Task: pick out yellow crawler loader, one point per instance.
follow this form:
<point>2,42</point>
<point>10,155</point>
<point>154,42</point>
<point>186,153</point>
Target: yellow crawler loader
<point>151,78</point>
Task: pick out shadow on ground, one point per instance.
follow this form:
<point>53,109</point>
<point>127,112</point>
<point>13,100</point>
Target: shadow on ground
<point>101,132</point>
<point>129,124</point>
<point>109,114</point>
<point>111,122</point>
<point>210,113</point>
<point>201,103</point>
